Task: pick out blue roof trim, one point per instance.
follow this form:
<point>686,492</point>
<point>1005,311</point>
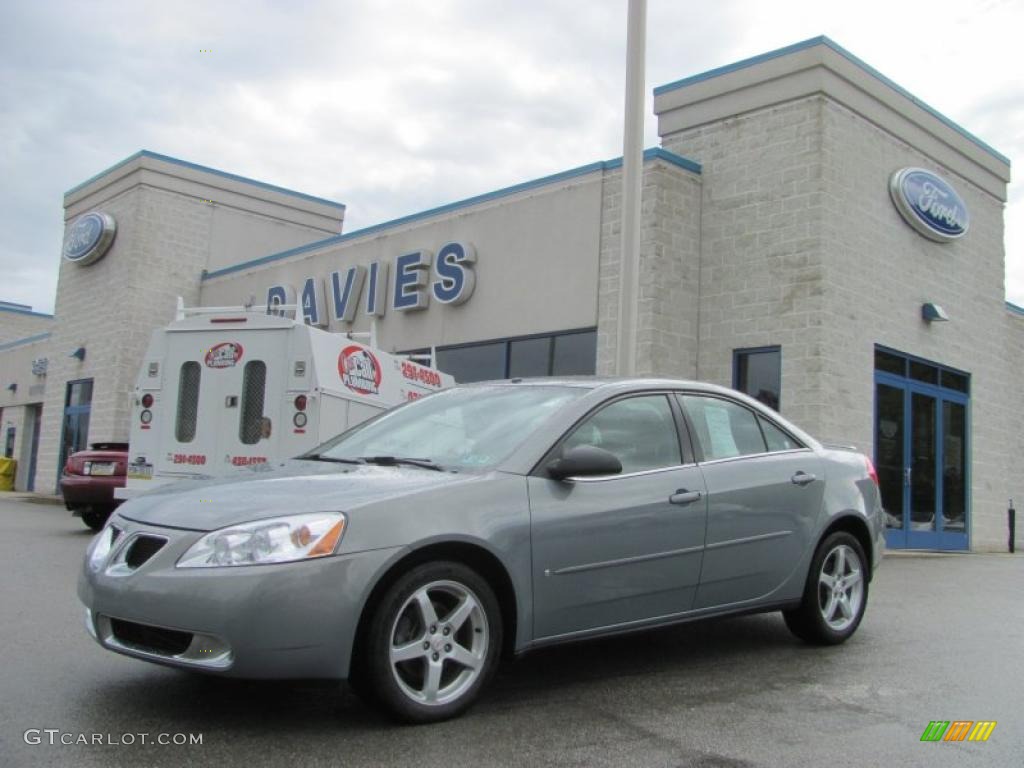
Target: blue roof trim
<point>583,170</point>
<point>657,153</point>
<point>822,40</point>
<point>24,341</point>
<point>1015,308</point>
<point>204,169</point>
<point>28,312</point>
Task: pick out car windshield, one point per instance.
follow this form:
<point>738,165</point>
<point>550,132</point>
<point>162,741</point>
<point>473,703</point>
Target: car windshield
<point>460,428</point>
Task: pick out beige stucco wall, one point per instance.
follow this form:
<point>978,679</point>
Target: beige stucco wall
<point>15,324</point>
<point>536,268</point>
<point>18,408</point>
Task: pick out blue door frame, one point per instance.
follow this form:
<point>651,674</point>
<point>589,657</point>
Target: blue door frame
<point>72,427</point>
<point>905,538</point>
<point>37,420</point>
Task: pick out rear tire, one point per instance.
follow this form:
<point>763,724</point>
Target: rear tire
<point>835,595</point>
<point>432,644</point>
<point>95,518</point>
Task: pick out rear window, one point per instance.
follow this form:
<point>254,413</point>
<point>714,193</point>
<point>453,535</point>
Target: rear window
<point>188,402</point>
<point>254,380</point>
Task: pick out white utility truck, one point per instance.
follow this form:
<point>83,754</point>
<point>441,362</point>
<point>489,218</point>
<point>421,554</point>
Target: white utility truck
<point>224,388</point>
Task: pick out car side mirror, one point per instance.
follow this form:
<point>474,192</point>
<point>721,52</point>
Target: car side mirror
<point>584,461</point>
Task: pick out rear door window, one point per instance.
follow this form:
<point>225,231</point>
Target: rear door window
<point>724,429</point>
<point>776,439</point>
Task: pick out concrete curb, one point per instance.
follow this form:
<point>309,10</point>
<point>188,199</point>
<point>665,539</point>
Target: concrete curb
<point>32,498</point>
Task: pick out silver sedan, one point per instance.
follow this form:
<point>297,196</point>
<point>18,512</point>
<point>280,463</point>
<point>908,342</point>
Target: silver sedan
<point>411,553</point>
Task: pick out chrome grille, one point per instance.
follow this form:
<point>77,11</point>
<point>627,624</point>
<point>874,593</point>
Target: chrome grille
<point>165,642</point>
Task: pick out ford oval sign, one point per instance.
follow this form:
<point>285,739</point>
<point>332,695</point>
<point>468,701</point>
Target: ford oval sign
<point>89,237</point>
<point>929,204</point>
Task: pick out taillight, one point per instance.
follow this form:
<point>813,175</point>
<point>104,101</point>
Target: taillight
<point>300,403</point>
<point>147,400</point>
<point>872,473</point>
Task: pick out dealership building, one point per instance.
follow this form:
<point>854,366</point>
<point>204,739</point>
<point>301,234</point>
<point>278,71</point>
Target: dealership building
<point>811,234</point>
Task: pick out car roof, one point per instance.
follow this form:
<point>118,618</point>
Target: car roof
<point>608,383</point>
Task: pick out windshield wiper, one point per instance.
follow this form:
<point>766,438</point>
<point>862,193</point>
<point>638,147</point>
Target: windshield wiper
<point>322,457</point>
<point>393,461</point>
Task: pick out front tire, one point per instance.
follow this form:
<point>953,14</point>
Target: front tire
<point>95,518</point>
<point>433,643</point>
<point>835,595</point>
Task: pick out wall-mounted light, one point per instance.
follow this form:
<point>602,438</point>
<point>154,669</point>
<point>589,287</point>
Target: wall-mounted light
<point>12,387</point>
<point>79,353</point>
<point>933,313</point>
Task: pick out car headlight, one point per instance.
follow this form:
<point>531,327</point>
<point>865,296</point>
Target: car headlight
<point>274,540</point>
<point>101,545</point>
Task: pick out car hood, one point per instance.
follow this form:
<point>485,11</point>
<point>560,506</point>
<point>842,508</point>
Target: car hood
<point>292,487</point>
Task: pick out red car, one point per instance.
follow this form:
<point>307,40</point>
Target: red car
<point>89,480</point>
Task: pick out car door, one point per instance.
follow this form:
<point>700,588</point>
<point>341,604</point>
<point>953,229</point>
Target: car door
<point>764,493</point>
<point>621,548</point>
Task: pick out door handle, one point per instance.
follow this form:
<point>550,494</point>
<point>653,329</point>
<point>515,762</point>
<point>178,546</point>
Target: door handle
<point>683,496</point>
<point>802,478</point>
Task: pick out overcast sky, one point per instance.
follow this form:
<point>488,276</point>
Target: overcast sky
<point>395,107</point>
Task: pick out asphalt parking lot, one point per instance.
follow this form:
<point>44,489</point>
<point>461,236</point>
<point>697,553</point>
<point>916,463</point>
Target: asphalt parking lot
<point>943,639</point>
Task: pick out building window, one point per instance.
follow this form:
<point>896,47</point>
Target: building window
<point>250,424</point>
<point>758,373</point>
<point>530,357</point>
<point>575,354</point>
<point>569,353</point>
<point>475,362</point>
<point>188,402</point>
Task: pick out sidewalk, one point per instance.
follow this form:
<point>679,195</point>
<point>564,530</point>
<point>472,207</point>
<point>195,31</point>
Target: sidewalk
<point>31,497</point>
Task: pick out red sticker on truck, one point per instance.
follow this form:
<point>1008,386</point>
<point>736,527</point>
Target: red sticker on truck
<point>359,370</point>
<point>224,355</point>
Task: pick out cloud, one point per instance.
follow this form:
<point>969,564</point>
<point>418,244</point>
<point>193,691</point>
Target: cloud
<point>394,107</point>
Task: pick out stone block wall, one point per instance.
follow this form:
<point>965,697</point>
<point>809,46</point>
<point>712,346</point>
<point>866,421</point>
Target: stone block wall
<point>761,261</point>
<point>668,276</point>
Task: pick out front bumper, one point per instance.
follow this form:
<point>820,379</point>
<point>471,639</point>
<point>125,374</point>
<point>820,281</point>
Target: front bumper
<point>287,620</point>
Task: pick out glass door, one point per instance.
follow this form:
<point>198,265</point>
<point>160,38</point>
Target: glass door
<point>920,475</point>
<point>921,443</point>
<point>75,432</point>
<point>890,460</point>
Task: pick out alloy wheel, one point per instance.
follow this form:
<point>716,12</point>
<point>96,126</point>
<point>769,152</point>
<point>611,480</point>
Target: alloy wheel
<point>840,587</point>
<point>438,643</point>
